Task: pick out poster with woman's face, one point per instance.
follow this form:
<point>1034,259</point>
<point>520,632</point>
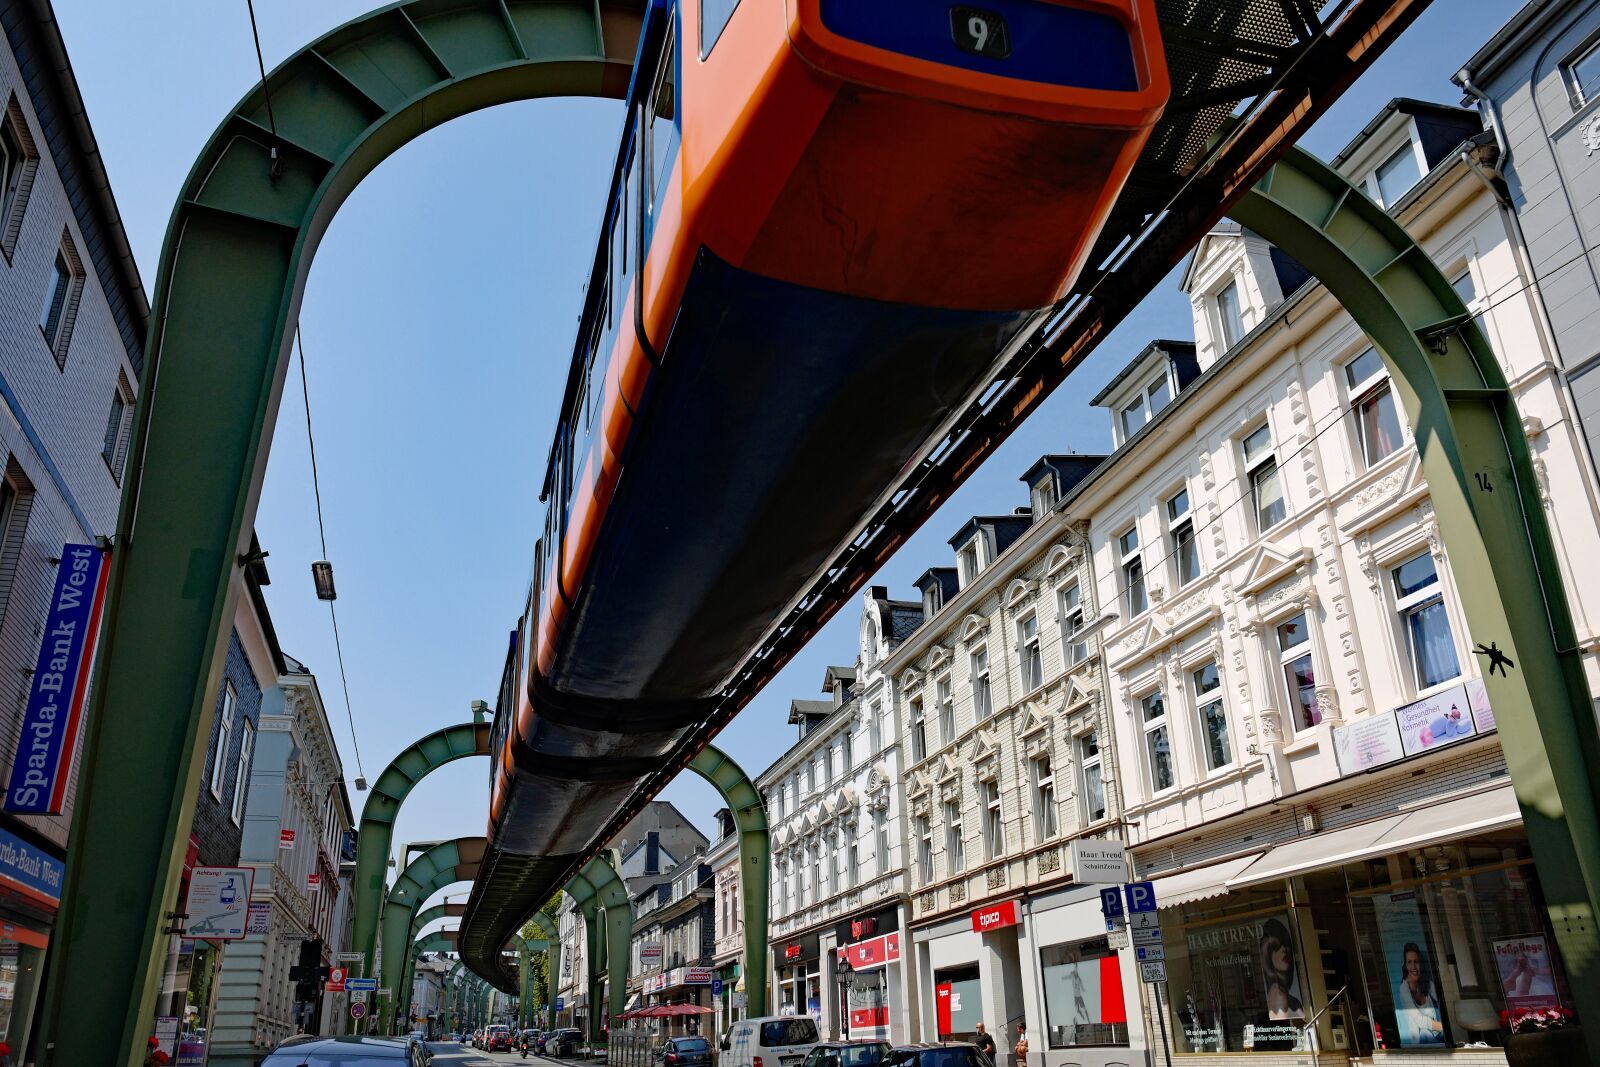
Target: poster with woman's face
<point>1280,977</point>
<point>1409,959</point>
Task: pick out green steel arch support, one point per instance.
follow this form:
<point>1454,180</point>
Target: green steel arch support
<point>438,941</point>
<point>422,919</point>
<point>378,815</point>
<point>226,297</point>
<point>1485,498</point>
<point>755,861</point>
<point>552,940</point>
<point>602,898</point>
<point>427,873</point>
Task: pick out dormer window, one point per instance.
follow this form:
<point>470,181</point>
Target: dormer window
<point>1395,176</point>
<point>932,601</point>
<point>1230,315</point>
<point>1144,407</point>
<point>968,562</point>
<point>1043,496</point>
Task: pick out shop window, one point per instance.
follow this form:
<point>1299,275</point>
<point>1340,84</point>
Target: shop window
<point>955,849</point>
<point>1237,984</point>
<point>21,968</point>
<point>1157,742</point>
<point>1044,798</point>
<point>947,710</point>
<point>1261,470</point>
<point>982,696</point>
<point>994,827</point>
<point>1074,647</point>
<point>958,1001</point>
<point>1030,664</point>
<point>1094,783</point>
<point>1419,600</point>
<point>1230,315</point>
<point>1299,676</point>
<point>924,849</point>
<point>1213,717</point>
<point>919,731</point>
<point>1377,420</point>
<point>1083,994</point>
<point>1133,595</point>
<point>1180,529</point>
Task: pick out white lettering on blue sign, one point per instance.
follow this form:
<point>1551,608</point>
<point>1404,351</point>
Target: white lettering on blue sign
<point>1141,896</point>
<point>1111,901</point>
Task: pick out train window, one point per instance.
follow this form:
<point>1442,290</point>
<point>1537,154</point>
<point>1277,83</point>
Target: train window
<point>663,115</point>
<point>714,16</point>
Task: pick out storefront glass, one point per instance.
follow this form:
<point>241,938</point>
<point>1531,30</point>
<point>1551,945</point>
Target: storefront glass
<point>21,966</point>
<point>958,994</point>
<point>1449,937</point>
<point>1083,994</point>
<point>1235,979</point>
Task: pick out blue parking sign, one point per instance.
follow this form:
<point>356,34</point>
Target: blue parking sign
<point>1111,902</point>
<point>716,987</point>
<point>1141,896</point>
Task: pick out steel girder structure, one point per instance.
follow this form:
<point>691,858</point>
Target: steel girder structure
<point>1486,501</point>
<point>755,860</point>
<point>378,815</point>
<point>602,899</point>
<point>440,865</point>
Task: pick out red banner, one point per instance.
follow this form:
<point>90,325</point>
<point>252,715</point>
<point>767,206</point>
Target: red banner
<point>995,917</point>
<point>865,955</point>
<point>941,993</point>
<point>1112,1009</point>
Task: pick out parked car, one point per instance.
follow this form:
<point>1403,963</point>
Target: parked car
<point>774,1040</point>
<point>684,1052</point>
<point>848,1054</point>
<point>566,1042</point>
<point>942,1054</point>
<point>540,1037</point>
<point>345,1052</point>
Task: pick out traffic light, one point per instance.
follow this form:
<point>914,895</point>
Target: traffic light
<point>309,972</point>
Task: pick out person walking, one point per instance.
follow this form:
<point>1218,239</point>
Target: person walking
<point>1020,1049</point>
<point>984,1042</point>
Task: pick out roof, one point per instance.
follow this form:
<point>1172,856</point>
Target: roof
<point>1405,105</point>
<point>1167,346</point>
<point>800,710</point>
<point>904,618</point>
<point>1486,58</point>
<point>1003,524</point>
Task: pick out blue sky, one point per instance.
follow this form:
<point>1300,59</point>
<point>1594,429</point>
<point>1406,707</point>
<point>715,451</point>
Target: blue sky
<point>438,323</point>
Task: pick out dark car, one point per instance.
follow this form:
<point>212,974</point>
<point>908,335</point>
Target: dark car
<point>351,1051</point>
<point>685,1052</point>
<point>849,1054</point>
<point>943,1054</point>
<point>564,1042</point>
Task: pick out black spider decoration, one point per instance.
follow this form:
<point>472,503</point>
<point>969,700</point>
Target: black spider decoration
<point>1498,661</point>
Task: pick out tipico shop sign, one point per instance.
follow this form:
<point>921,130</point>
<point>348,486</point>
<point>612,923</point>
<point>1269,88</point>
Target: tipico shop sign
<point>60,684</point>
<point>996,917</point>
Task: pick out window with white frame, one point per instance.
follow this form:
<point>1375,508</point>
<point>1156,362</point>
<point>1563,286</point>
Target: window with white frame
<point>1145,406</point>
<point>968,562</point>
<point>947,710</point>
<point>811,778</point>
<point>1377,419</point>
<point>924,849</point>
<point>1230,315</point>
<point>1212,716</point>
<point>846,757</point>
<point>60,303</point>
<point>833,869</point>
<point>1042,496</point>
<point>817,887</point>
<point>994,829</point>
<point>919,731</point>
<point>875,727</point>
<point>826,756</point>
<point>1133,594</point>
<point>955,848</point>
<point>1157,742</point>
<point>1299,673</point>
<point>1419,599</point>
<point>1261,469</point>
<point>1030,664</point>
<point>113,448</point>
<point>852,860</point>
<point>880,826</point>
<point>1393,178</point>
<point>932,600</point>
<point>1583,74</point>
<point>1045,821</point>
<point>19,160</point>
<point>982,697</point>
<point>1180,529</point>
<point>1074,647</point>
<point>241,778</point>
<point>1466,288</point>
<point>1091,768</point>
<point>230,704</point>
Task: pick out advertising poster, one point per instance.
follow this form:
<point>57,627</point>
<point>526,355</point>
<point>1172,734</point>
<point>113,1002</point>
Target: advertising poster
<point>1410,967</point>
<point>259,918</point>
<point>1242,989</point>
<point>1435,721</point>
<point>869,1005</point>
<point>218,902</point>
<point>1367,743</point>
<point>1525,973</point>
<point>1482,713</point>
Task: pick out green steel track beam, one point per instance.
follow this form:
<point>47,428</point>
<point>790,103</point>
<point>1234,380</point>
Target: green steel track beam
<point>602,899</point>
<point>378,816</point>
<point>1485,498</point>
<point>755,861</point>
<point>226,298</point>
<point>443,864</point>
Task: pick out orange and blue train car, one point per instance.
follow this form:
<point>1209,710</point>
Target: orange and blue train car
<point>828,220</point>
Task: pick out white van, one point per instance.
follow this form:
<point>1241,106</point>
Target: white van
<point>769,1041</point>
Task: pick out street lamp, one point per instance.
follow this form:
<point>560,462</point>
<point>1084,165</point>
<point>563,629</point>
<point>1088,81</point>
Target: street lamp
<point>322,576</point>
<point>845,972</point>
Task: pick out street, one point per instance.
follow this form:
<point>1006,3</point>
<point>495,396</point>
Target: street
<point>454,1054</point>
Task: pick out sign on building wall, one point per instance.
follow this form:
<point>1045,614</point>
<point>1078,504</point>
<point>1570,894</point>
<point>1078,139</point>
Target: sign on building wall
<point>24,868</point>
<point>286,839</point>
<point>874,952</point>
<point>996,917</point>
<point>650,953</point>
<point>60,684</point>
<point>259,920</point>
<point>1442,719</point>
<point>1094,860</point>
<point>219,902</point>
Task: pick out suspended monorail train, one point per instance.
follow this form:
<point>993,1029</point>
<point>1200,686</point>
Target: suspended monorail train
<point>828,221</point>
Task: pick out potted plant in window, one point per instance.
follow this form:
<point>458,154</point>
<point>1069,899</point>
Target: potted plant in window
<point>1543,1036</point>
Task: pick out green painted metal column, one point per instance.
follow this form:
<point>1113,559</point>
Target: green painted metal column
<point>755,863</point>
<point>440,865</point>
<point>552,940</point>
<point>225,299</point>
<point>607,910</point>
<point>378,815</point>
<point>1485,499</point>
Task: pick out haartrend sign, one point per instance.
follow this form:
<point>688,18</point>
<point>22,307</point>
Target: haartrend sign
<point>995,917</point>
<point>60,684</point>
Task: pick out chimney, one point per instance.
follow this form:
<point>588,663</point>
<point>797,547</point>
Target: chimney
<point>652,852</point>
